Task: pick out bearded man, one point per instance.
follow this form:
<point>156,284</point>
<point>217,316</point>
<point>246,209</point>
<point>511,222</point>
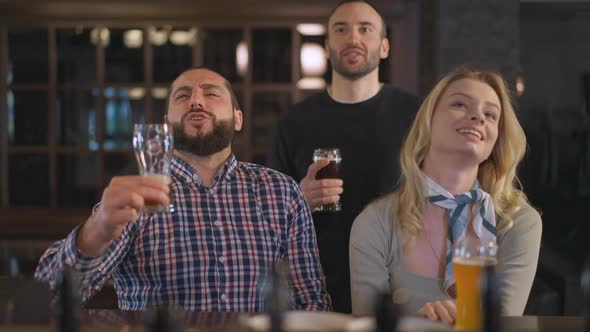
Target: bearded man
<point>233,222</point>
<point>366,119</point>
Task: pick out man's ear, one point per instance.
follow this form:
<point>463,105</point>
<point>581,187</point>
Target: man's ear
<point>238,119</point>
<point>384,50</point>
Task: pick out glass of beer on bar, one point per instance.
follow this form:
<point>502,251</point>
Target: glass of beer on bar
<point>153,144</point>
<point>330,171</point>
<point>470,259</point>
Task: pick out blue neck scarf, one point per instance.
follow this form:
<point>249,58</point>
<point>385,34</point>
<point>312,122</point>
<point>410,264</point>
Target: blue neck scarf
<point>484,217</point>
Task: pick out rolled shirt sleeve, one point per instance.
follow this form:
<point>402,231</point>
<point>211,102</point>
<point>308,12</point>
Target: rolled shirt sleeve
<point>93,272</point>
<point>307,278</point>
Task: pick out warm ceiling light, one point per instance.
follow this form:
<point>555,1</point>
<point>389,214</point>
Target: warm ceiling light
<point>313,60</point>
<point>157,37</point>
<point>102,34</point>
<point>133,38</point>
<point>179,38</point>
<point>311,29</point>
<point>182,37</point>
<point>136,93</point>
<point>311,83</point>
<point>160,93</point>
<point>242,58</point>
<point>193,36</point>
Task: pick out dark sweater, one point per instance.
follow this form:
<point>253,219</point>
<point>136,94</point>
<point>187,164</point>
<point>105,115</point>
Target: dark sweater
<point>369,135</point>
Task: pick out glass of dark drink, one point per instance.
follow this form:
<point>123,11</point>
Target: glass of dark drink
<point>330,171</point>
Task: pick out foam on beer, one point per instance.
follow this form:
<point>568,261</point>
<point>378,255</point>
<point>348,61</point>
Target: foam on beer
<point>164,178</point>
<point>476,260</point>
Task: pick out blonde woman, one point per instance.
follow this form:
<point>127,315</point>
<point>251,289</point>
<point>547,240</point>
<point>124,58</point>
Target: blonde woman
<point>458,168</point>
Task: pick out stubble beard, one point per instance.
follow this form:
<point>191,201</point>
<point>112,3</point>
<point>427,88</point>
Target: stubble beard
<point>354,74</point>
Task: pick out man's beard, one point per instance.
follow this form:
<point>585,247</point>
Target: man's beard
<point>204,144</point>
<point>354,74</point>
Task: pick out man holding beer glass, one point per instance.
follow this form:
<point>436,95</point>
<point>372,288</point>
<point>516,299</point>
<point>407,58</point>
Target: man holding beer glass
<point>458,186</point>
<point>363,118</point>
<point>232,221</point>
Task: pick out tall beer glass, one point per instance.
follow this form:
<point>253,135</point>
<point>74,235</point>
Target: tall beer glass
<point>153,144</point>
<point>330,171</point>
<point>470,258</point>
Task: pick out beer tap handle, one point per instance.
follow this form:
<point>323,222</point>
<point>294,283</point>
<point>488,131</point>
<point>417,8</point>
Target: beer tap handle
<point>585,283</point>
<point>161,320</point>
<point>277,296</point>
<point>490,301</point>
<point>386,313</point>
<point>68,318</point>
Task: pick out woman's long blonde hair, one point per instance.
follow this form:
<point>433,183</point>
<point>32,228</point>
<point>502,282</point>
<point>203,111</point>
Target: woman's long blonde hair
<point>496,175</point>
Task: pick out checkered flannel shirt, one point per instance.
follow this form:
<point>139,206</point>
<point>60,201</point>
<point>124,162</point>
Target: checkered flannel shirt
<point>213,253</point>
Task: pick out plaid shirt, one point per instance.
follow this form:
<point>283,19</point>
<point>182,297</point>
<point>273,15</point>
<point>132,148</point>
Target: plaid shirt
<point>213,253</point>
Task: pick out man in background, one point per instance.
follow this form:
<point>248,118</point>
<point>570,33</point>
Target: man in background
<point>361,116</point>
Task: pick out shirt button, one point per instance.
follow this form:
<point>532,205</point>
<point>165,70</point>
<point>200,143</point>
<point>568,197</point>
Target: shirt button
<point>195,178</point>
<point>217,223</point>
<point>221,259</point>
<point>212,192</point>
<point>223,297</point>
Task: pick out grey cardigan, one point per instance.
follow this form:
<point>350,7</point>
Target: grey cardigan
<point>376,261</point>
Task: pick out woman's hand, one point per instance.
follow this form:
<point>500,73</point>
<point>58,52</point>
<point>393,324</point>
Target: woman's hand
<point>445,311</point>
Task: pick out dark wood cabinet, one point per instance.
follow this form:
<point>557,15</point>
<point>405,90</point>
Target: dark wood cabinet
<point>75,76</point>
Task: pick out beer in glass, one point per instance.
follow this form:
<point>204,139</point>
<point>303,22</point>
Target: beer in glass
<point>470,259</point>
<point>153,144</point>
<point>330,171</point>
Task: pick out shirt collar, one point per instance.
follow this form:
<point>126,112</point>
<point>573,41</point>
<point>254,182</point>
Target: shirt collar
<point>183,171</point>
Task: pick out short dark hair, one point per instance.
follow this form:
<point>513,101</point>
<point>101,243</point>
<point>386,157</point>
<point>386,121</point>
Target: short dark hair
<point>234,99</point>
<point>344,2</point>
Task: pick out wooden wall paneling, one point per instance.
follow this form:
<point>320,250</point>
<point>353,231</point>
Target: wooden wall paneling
<point>405,47</point>
<point>148,68</point>
<point>207,12</point>
<point>245,15</point>
<point>198,49</point>
<point>39,224</point>
<point>247,108</point>
<point>296,66</point>
<point>4,118</point>
<point>100,120</point>
<point>52,130</point>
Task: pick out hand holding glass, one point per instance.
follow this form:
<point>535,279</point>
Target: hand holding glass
<point>330,171</point>
<point>153,144</point>
<point>470,258</point>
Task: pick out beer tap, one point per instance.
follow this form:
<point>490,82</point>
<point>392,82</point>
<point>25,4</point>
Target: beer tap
<point>585,282</point>
<point>386,313</point>
<point>277,296</point>
<point>161,320</point>
<point>68,302</point>
<point>490,301</point>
